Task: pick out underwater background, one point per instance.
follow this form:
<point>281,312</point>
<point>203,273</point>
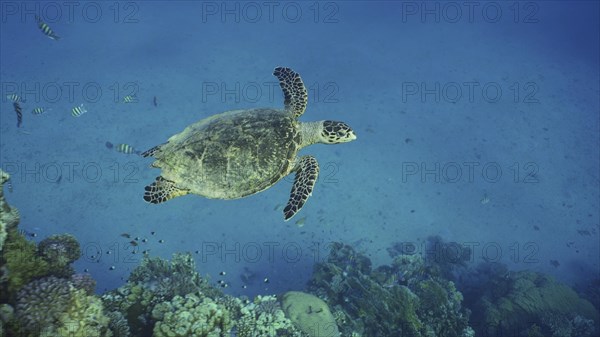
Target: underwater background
<point>476,162</point>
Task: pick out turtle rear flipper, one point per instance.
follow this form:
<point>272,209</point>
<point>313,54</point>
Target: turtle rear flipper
<point>162,190</point>
<point>294,91</point>
<point>307,171</point>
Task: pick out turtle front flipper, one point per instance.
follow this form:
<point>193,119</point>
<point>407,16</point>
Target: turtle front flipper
<point>162,190</point>
<point>151,152</point>
<point>294,91</point>
<point>307,171</point>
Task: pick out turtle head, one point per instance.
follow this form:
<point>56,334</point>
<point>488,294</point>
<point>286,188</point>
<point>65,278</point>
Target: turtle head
<point>334,132</point>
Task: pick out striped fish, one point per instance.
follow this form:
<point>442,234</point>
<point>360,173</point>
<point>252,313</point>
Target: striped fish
<point>127,149</point>
<point>78,110</point>
<point>130,99</point>
<point>19,112</point>
<point>15,98</point>
<point>9,185</point>
<point>39,110</point>
<point>46,29</point>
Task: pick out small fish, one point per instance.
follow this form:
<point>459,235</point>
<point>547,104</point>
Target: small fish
<point>152,233</point>
<point>130,99</point>
<point>109,145</point>
<point>126,235</point>
<point>112,268</point>
<point>78,110</point>
<point>19,112</point>
<point>15,98</point>
<point>86,270</point>
<point>127,149</point>
<point>144,240</point>
<point>9,185</point>
<point>154,101</point>
<point>25,232</point>
<point>46,29</point>
<point>133,243</point>
<point>161,241</point>
<point>222,273</point>
<point>39,110</point>
<point>266,280</point>
<point>224,285</point>
<point>300,222</point>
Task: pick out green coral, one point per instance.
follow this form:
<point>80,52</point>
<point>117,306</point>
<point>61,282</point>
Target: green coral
<point>22,262</point>
<point>440,309</point>
<point>154,281</point>
<point>526,298</point>
<point>191,316</point>
<point>135,303</point>
<point>60,251</point>
<point>167,279</point>
<point>401,299</point>
<point>52,306</point>
<point>9,216</point>
<point>310,314</point>
<point>84,317</point>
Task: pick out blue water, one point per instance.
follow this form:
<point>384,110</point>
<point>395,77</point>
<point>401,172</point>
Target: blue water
<point>481,127</point>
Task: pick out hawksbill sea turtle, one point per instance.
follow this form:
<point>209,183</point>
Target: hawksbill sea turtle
<point>238,153</point>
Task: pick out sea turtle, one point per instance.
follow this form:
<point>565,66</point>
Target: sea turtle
<point>242,152</point>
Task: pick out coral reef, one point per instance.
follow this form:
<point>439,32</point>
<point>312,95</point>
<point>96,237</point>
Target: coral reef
<point>118,324</point>
<point>168,279</point>
<point>516,301</point>
<point>401,299</point>
<point>9,217</point>
<point>310,314</point>
<point>54,306</point>
<point>413,296</point>
<point>263,317</point>
<point>22,262</point>
<point>191,316</point>
<point>85,282</point>
<point>155,281</point>
<point>60,251</point>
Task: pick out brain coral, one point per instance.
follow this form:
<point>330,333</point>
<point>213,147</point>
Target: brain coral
<point>54,306</point>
